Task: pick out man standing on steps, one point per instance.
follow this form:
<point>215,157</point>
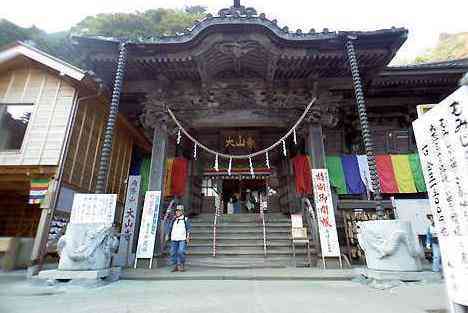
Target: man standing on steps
<point>179,230</point>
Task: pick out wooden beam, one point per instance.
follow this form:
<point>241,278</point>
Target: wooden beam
<point>39,170</point>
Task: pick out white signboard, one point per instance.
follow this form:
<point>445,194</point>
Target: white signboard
<point>442,138</point>
<point>129,220</point>
<point>89,208</point>
<point>148,226</point>
<point>325,213</point>
<point>296,221</point>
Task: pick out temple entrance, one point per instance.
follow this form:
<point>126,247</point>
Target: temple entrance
<point>244,195</point>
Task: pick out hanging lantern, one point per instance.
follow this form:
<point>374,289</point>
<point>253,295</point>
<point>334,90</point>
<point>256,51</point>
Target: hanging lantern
<point>284,148</point>
<point>267,160</point>
<point>230,166</point>
<point>178,136</point>
<point>216,165</point>
<point>294,136</point>
<point>195,150</point>
<point>251,167</point>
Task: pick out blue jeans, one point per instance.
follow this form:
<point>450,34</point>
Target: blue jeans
<point>436,258</point>
<point>178,251</point>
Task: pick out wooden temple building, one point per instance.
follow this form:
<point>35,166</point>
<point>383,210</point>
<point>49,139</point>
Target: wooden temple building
<point>237,82</point>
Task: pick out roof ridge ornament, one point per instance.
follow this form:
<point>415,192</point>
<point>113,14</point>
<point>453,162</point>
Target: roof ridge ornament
<point>238,10</point>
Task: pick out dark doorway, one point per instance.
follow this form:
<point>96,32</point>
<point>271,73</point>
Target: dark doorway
<point>240,189</point>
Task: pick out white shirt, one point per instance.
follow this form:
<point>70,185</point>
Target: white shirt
<point>178,229</point>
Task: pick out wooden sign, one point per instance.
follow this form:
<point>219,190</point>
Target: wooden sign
<point>442,138</point>
<point>129,219</point>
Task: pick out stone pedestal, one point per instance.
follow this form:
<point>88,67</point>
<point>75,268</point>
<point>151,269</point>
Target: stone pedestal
<point>390,245</point>
<point>86,247</point>
<point>401,276</point>
<point>70,275</point>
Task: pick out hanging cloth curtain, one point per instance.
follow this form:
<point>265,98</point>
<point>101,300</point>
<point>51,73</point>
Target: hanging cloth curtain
<point>38,191</point>
<point>353,179</point>
<point>168,178</point>
<point>403,175</point>
<point>144,172</point>
<point>416,170</point>
<point>336,173</point>
<point>386,174</point>
<point>302,174</point>
<point>364,171</point>
<point>179,176</point>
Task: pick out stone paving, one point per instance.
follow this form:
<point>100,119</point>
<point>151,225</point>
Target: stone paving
<point>18,295</point>
<point>287,273</point>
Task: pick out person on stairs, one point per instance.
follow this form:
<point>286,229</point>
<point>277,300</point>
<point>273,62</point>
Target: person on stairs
<point>179,230</point>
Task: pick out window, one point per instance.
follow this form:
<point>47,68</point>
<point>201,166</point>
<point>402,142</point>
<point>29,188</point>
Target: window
<point>14,120</point>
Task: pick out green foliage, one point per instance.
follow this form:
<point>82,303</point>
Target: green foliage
<point>133,26</point>
<point>449,47</point>
<point>57,44</point>
<point>10,32</point>
<point>139,25</point>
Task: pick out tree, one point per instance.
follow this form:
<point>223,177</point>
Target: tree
<point>134,26</point>
<point>449,47</point>
<point>139,25</point>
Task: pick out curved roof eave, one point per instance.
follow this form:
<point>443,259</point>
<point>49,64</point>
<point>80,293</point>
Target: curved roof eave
<point>393,37</point>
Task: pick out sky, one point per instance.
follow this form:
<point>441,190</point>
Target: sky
<point>425,19</point>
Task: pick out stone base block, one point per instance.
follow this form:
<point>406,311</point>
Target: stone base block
<point>71,275</point>
<point>401,276</point>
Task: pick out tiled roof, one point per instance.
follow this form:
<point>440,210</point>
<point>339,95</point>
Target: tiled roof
<point>449,64</point>
<point>248,16</point>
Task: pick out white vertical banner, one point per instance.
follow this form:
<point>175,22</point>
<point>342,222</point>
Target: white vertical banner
<point>442,138</point>
<point>149,225</point>
<point>129,219</point>
<point>325,213</point>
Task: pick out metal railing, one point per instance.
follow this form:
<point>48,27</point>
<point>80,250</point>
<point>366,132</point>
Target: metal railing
<point>215,222</point>
<point>311,219</point>
<point>262,215</point>
<point>162,240</point>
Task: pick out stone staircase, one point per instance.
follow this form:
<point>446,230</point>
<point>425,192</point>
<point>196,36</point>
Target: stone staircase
<point>239,242</point>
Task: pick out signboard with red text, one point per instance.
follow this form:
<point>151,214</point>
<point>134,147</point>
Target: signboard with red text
<point>325,213</point>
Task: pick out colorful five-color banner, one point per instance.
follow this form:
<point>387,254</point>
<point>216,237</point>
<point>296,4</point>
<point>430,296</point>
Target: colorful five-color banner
<point>398,173</point>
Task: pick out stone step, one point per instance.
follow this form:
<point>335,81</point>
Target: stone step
<point>241,236</point>
<point>241,244</point>
<point>243,241</point>
<point>243,262</point>
<point>244,252</point>
<point>241,218</point>
<point>239,225</point>
<point>238,262</point>
<point>228,231</point>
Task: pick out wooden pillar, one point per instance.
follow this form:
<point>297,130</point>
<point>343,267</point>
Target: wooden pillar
<point>316,150</point>
<point>156,176</point>
<point>188,197</point>
<point>315,146</point>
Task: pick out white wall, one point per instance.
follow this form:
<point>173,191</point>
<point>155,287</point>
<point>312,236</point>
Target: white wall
<point>53,98</point>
